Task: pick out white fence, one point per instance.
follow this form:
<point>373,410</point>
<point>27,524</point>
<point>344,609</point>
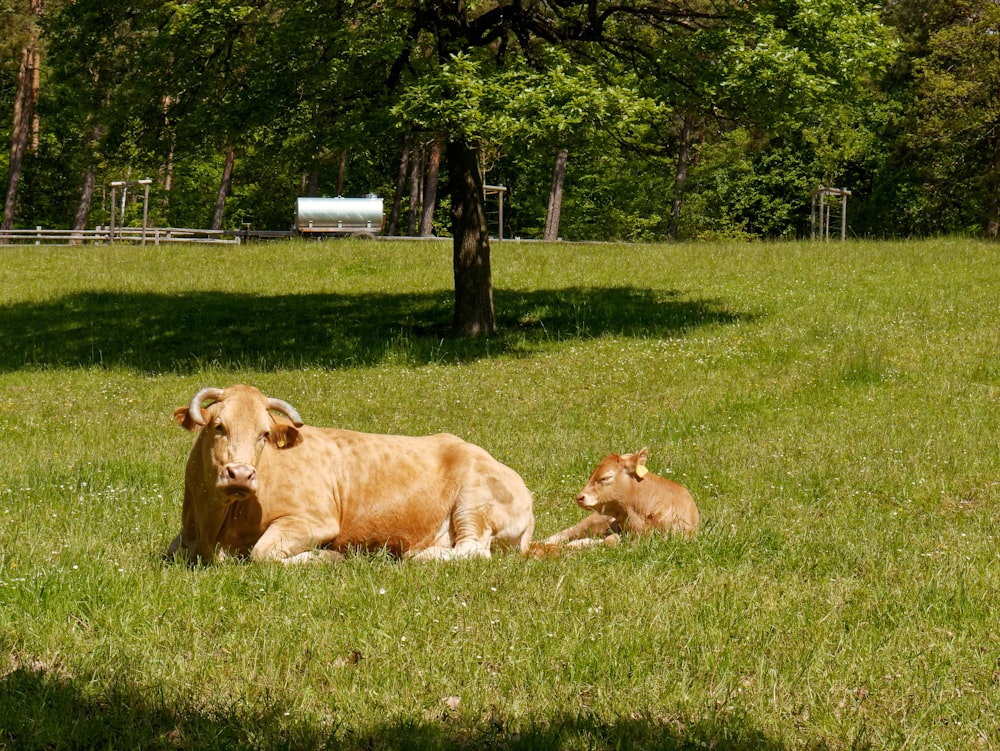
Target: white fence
<point>103,236</point>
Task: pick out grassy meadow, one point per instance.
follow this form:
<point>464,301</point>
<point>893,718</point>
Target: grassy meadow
<point>832,407</point>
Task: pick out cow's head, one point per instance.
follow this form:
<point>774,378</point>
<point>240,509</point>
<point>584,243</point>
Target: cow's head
<point>613,481</point>
<point>236,425</point>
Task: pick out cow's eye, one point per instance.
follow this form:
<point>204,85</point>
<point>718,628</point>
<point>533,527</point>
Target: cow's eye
<point>606,479</point>
<point>220,431</point>
<point>266,435</point>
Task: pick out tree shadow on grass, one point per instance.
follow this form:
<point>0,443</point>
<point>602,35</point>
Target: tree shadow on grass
<point>155,333</point>
<point>46,709</point>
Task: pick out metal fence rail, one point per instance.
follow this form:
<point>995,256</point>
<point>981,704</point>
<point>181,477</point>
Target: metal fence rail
<point>104,236</point>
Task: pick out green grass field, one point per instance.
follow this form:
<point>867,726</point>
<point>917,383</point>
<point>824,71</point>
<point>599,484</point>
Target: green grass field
<point>833,409</point>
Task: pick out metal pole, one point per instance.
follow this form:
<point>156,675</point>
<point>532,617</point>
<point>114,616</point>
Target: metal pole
<point>826,217</point>
<point>145,207</point>
<point>114,209</point>
<point>843,215</point>
<point>822,214</point>
<point>500,232</point>
<point>812,218</point>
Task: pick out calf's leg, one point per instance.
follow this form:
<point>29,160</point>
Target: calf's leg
<point>595,525</point>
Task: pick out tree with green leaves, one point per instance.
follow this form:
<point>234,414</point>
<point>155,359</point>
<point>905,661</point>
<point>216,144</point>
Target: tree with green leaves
<point>471,47</point>
<point>25,39</point>
<point>656,83</point>
<point>777,98</point>
<point>958,109</point>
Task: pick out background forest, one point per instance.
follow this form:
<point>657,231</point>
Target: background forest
<point>639,120</point>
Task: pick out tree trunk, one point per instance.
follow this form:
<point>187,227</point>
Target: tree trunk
<point>430,188</point>
<point>416,167</point>
<point>312,187</point>
<point>397,200</point>
<point>341,172</point>
<point>168,168</point>
<point>20,129</point>
<point>36,77</point>
<point>993,194</point>
<point>555,196</point>
<point>993,216</point>
<point>35,66</point>
<point>474,314</point>
<point>224,185</point>
<point>89,183</point>
<point>86,199</point>
<point>25,116</point>
<point>680,176</point>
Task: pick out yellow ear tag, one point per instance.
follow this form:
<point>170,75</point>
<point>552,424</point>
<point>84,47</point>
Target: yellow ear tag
<point>641,471</point>
<point>281,442</point>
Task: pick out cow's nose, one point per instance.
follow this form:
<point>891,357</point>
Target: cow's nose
<point>581,498</point>
<point>240,474</point>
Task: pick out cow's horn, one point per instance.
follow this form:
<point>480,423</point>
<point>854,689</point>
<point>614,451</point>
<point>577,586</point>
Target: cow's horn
<point>194,408</point>
<point>286,409</point>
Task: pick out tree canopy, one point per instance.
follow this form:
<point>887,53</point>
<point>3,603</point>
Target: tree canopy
<point>673,118</point>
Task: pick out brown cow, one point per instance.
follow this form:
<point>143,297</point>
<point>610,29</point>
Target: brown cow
<point>278,489</point>
<point>625,497</point>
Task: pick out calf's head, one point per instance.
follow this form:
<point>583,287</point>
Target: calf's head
<point>236,425</point>
<point>614,480</point>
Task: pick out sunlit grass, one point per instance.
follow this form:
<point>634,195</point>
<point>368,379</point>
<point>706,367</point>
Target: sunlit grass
<point>833,409</point>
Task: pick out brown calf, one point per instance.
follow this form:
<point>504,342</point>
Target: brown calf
<point>626,498</point>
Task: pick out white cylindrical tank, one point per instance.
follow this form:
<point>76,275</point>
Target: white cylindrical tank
<point>314,214</point>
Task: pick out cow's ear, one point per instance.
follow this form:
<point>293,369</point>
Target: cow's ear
<point>183,418</point>
<point>284,436</point>
<point>639,463</point>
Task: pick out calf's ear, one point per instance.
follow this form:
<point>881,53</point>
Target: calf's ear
<point>183,418</point>
<point>637,463</point>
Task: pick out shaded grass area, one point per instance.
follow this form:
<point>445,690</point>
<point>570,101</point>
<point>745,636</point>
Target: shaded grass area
<point>48,710</point>
<point>183,332</point>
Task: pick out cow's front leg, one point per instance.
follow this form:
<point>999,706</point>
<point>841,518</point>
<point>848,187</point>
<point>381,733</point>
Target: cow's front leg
<point>286,540</point>
<point>183,550</point>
